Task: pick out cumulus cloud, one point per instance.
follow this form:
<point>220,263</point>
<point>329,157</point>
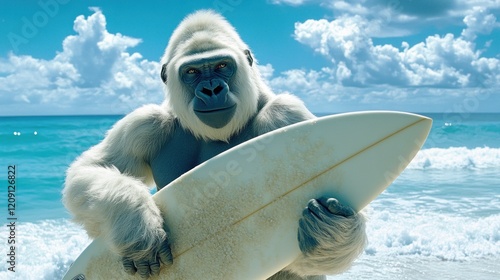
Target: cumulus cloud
<point>93,50</point>
<point>395,18</point>
<point>478,22</point>
<point>94,73</point>
<point>445,65</point>
<point>266,71</point>
<point>444,61</point>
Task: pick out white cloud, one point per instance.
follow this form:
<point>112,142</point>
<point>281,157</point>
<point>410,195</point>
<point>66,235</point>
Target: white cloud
<point>94,73</point>
<point>94,51</point>
<point>444,61</point>
<point>322,93</point>
<point>443,68</point>
<point>290,2</point>
<point>307,81</point>
<point>314,87</point>
<point>394,18</point>
<point>266,71</point>
<point>478,22</point>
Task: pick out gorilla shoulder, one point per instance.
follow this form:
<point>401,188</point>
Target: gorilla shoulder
<point>141,133</point>
<point>281,110</point>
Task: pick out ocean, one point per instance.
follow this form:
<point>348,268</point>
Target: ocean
<point>440,219</point>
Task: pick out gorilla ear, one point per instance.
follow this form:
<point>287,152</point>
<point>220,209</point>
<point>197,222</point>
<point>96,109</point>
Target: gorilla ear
<point>164,73</point>
<point>249,57</point>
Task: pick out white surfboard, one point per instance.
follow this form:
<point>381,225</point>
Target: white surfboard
<point>236,215</point>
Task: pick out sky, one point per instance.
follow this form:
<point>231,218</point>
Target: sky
<point>78,57</point>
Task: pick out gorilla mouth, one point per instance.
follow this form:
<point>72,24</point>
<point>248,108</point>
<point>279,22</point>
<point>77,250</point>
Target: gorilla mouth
<point>216,118</point>
<point>215,110</point>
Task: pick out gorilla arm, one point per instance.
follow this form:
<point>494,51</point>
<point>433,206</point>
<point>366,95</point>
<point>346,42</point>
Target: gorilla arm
<point>331,236</point>
<point>106,189</point>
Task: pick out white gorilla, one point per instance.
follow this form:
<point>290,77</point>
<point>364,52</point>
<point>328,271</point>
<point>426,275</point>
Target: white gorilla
<point>215,99</point>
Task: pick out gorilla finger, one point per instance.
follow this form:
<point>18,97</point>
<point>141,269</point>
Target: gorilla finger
<point>128,265</point>
<point>155,266</point>
<point>335,207</point>
<point>165,253</point>
<point>308,227</point>
<point>308,215</point>
<point>302,225</point>
<point>143,268</point>
<point>317,209</point>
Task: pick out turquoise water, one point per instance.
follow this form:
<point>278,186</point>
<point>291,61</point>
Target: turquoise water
<point>42,148</point>
<point>439,220</point>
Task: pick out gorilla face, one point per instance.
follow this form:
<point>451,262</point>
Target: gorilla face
<point>212,86</point>
<point>208,79</point>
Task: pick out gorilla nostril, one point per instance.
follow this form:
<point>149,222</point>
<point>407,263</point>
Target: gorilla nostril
<point>206,91</point>
<point>218,89</point>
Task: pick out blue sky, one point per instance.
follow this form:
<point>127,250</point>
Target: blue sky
<point>62,57</point>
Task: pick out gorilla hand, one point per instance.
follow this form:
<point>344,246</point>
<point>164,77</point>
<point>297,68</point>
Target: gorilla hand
<point>144,245</point>
<point>327,223</point>
<point>149,264</point>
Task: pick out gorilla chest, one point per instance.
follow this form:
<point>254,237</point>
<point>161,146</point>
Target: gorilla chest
<point>183,152</point>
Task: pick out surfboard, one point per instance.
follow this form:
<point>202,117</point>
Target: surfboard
<point>236,215</point>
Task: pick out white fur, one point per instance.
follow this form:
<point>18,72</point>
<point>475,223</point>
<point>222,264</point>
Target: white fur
<point>106,187</point>
<point>339,246</point>
<point>281,110</point>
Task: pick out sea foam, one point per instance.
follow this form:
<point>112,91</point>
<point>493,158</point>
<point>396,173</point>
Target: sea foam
<point>456,158</point>
<point>447,237</point>
<point>44,249</point>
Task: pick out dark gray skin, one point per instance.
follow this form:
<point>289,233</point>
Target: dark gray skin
<point>209,79</point>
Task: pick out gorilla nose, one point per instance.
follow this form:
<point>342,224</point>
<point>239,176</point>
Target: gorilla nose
<point>212,91</point>
<point>211,87</point>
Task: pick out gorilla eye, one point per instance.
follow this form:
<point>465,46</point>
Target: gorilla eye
<point>221,65</point>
